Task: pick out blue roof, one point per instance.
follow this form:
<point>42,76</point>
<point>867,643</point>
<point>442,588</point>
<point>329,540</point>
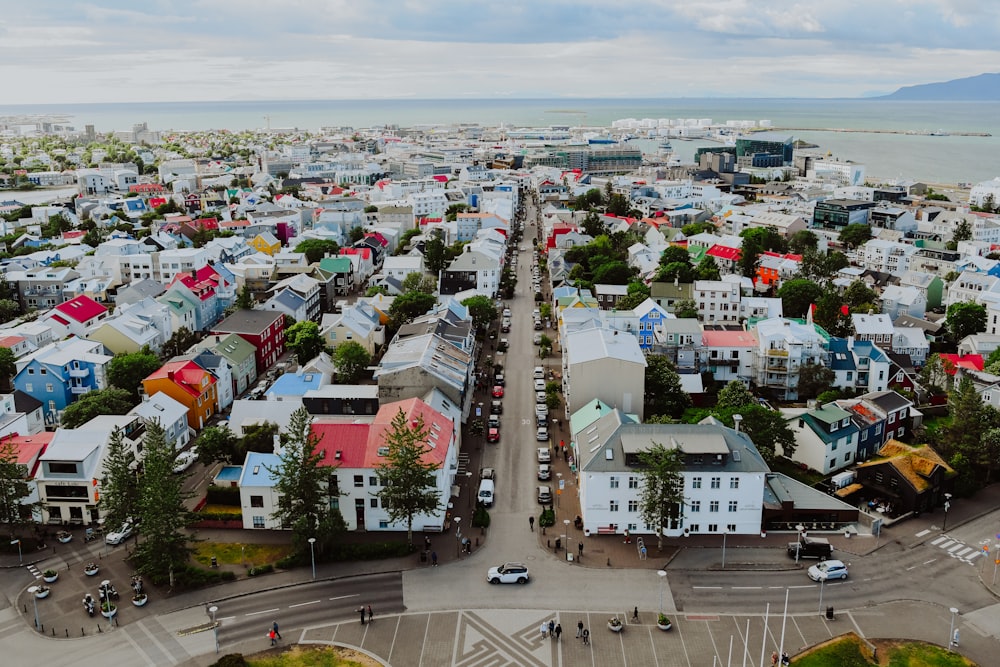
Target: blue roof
<point>841,358</point>
<point>866,348</point>
<point>295,384</point>
<point>289,298</point>
<point>255,469</point>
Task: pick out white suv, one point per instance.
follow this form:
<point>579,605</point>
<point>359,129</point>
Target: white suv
<point>508,573</point>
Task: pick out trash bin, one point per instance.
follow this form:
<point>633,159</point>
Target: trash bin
<point>829,613</point>
<point>215,562</point>
<point>423,556</point>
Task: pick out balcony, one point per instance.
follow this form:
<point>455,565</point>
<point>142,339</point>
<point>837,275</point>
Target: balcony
<point>777,369</point>
<point>777,353</point>
<point>77,390</point>
<point>79,372</point>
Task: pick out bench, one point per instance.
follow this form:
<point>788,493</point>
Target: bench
<point>607,530</point>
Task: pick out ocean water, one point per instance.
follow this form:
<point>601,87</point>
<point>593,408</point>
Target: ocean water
<point>937,159</point>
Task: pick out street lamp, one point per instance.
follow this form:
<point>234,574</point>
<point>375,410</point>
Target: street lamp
<point>566,537</point>
<point>312,554</point>
<point>34,601</point>
<point>458,535</point>
<point>951,633</point>
<point>724,533</point>
<point>798,542</point>
<point>20,560</point>
<point>947,506</point>
<point>215,626</point>
<point>662,574</point>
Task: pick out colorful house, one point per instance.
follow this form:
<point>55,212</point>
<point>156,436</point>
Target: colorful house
<point>267,243</point>
<point>74,317</point>
<point>58,373</point>
<point>265,330</point>
<point>190,385</point>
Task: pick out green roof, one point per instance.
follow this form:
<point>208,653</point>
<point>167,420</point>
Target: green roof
<point>335,264</point>
<point>587,415</point>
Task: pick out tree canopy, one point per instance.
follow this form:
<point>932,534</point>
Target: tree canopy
<point>305,340</point>
<point>664,395</point>
<point>317,249</point>
<point>111,401</point>
<point>797,295</point>
<point>662,494</point>
<point>482,309</point>
<point>734,395</point>
<point>855,234</point>
<point>219,443</point>
<point>965,318</point>
<point>15,512</point>
<point>119,484</point>
<point>407,307</point>
<point>351,360</point>
<point>756,241</point>
<point>127,371</point>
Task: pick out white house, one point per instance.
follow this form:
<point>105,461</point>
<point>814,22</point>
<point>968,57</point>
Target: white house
<point>603,364</point>
<point>718,301</point>
<point>826,439</point>
<point>258,495</point>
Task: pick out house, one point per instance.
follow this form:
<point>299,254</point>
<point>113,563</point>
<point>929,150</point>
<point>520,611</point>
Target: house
<point>723,477</point>
<point>264,330</point>
<point>912,342</point>
<point>362,263</point>
<point>782,223</point>
<point>74,317</point>
<point>760,308</point>
<point>727,355</point>
<point>189,384</point>
<point>413,366</point>
<point>296,385</point>
<point>826,439</point>
<point>359,323</point>
<point>170,415</point>
<point>28,449</point>
<point>650,318</point>
<point>18,345</point>
<point>876,329</point>
<point>341,272</point>
<point>267,243</point>
<point>608,296</point>
<point>718,301</point>
<point>930,285</point>
<point>398,267</point>
<point>880,416</point>
<point>238,353</point>
<point>60,372</point>
<point>20,414</point>
<point>258,490</point>
<point>783,347</point>
<point>342,399</point>
<point>905,478</point>
<point>472,270</point>
<point>308,290</point>
<point>41,288</point>
<point>134,326</point>
<point>603,364</point>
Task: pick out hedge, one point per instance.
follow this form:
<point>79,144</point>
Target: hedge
<point>189,576</point>
<point>223,495</point>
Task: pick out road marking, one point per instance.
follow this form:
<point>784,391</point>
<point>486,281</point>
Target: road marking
<point>939,540</point>
<point>227,618</point>
<point>928,562</point>
<point>803,586</point>
<point>707,588</point>
<point>266,611</point>
<point>955,548</point>
<point>343,597</point>
<point>964,552</point>
<point>303,604</point>
<point>922,533</point>
<point>746,588</point>
<point>912,568</point>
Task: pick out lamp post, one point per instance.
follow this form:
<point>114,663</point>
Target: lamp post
<point>458,535</point>
<point>20,560</point>
<point>662,574</point>
<point>951,631</point>
<point>798,542</point>
<point>215,626</point>
<point>821,582</point>
<point>566,537</point>
<point>312,554</point>
<point>34,601</point>
<point>724,533</point>
<point>947,506</point>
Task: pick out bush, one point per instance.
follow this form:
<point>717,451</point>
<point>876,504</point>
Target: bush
<point>217,516</point>
<point>372,551</point>
<point>547,518</point>
<point>481,518</point>
<point>258,570</point>
<point>192,577</point>
<point>223,495</point>
<point>231,660</point>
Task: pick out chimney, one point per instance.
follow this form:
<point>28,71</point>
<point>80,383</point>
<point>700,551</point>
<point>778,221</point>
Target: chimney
<point>170,375</point>
<point>277,444</point>
<point>736,422</point>
<point>677,281</point>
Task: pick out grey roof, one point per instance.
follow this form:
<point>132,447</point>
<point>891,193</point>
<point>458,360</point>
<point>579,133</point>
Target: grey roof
<point>139,290</point>
<point>780,488</point>
<point>888,400</point>
<point>289,299</point>
<point>247,322</point>
<point>917,323</point>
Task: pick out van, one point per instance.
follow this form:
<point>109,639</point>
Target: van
<point>486,488</point>
<point>811,547</point>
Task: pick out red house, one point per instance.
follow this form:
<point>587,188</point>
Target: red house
<point>265,330</point>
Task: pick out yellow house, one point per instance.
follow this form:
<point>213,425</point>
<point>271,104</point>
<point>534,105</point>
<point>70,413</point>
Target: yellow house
<point>266,243</point>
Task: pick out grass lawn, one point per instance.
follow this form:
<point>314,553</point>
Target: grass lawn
<point>314,657</point>
<point>223,509</point>
<point>237,554</point>
<point>792,469</point>
<point>847,651</point>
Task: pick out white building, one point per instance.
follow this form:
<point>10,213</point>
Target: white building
<point>985,192</point>
<point>783,346</point>
<point>718,301</point>
<point>603,364</point>
<point>886,256</point>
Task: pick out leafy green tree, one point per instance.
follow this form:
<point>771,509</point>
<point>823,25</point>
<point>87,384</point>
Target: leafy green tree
<point>244,300</point>
<point>802,240</point>
<point>259,437</point>
<point>707,269</point>
<point>734,395</point>
<point>15,511</point>
<point>351,360</point>
<point>110,401</point>
<point>119,483</point>
<point>451,213</point>
<point>859,297</point>
<point>127,371</point>
<point>8,368</point>
<point>592,225</point>
<point>301,483</point>
<point>662,494</point>
<point>179,343</point>
<point>814,378</point>
<point>613,273</point>
<point>588,200</point>
<point>618,205</point>
<point>830,313</point>
<point>418,282</point>
<point>855,235</point>
<point>965,318</point>
<point>638,292</point>
<point>682,272</point>
<point>482,309</point>
<point>405,239</point>
<point>963,231</point>
<point>356,234</point>
<point>407,307</point>
<point>162,513</point>
<point>756,241</point>
<point>663,388</point>
<point>435,253</point>
<point>376,289</point>
<point>937,375</point>
<point>219,443</point>
<point>408,481</point>
<point>695,228</point>
<point>305,340</point>
<point>317,249</point>
<point>797,295</point>
<point>965,431</point>
<point>673,254</point>
<point>686,308</point>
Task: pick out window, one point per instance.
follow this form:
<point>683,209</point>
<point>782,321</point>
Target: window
<point>878,478</point>
<point>373,503</point>
<point>359,481</point>
<point>633,482</point>
<point>716,482</point>
<point>713,506</point>
<point>29,387</point>
<point>613,506</point>
<point>833,463</point>
<point>864,435</point>
<point>633,506</point>
<point>713,527</point>
<point>892,418</point>
<point>695,505</point>
<point>732,505</point>
<point>694,528</point>
<point>847,457</point>
<point>613,482</point>
<point>258,521</point>
<point>731,528</point>
<point>60,468</point>
<point>256,501</point>
<point>878,429</point>
<point>696,482</point>
<point>373,481</point>
<point>734,482</point>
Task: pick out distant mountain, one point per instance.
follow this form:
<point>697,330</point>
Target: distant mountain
<point>984,87</point>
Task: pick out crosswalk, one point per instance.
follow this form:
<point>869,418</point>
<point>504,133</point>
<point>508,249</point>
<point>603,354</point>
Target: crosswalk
<point>957,549</point>
<point>35,572</point>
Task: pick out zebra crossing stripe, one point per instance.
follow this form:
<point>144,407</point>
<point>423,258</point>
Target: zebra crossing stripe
<point>34,571</point>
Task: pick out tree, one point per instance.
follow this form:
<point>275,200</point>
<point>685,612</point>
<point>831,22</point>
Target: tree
<point>663,388</point>
<point>161,509</point>
<point>768,430</point>
<point>317,249</point>
<point>127,371</point>
<point>376,289</point>
<point>694,228</point>
<point>682,272</point>
<point>9,309</point>
<point>802,240</point>
<point>351,360</point>
<point>408,481</point>
<point>8,368</point>
<point>305,340</point>
<point>756,241</point>
<point>451,213</point>
<point>179,343</point>
<point>965,318</point>
<point>418,282</point>
<point>407,307</point>
<point>244,300</point>
<point>734,395</point>
<point>613,273</point>
<point>797,295</point>
<point>673,254</point>
<point>638,292</point>
<point>856,234</point>
<point>119,484</point>
<point>110,401</point>
<point>707,269</point>
<point>259,437</point>
<point>814,378</point>
<point>860,297</point>
<point>832,313</point>
<point>937,375</point>
<point>435,253</point>
<point>15,513</point>
<point>219,443</point>
<point>662,494</point>
<point>356,234</point>
<point>686,308</point>
<point>482,309</point>
<point>963,231</point>
<point>965,431</point>
<point>592,224</point>
<point>301,483</point>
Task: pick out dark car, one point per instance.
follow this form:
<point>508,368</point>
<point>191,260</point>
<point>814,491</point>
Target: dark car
<point>496,408</point>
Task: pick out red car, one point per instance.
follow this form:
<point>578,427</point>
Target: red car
<point>493,435</point>
<point>497,391</point>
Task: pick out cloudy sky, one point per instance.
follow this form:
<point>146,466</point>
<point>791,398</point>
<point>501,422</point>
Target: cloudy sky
<point>55,51</point>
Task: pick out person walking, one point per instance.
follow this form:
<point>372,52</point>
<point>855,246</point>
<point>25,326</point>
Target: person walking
<point>552,628</point>
<point>579,629</point>
<point>273,637</point>
<point>635,614</point>
<point>558,631</point>
<point>434,558</point>
<point>586,636</point>
<point>531,523</point>
<point>371,614</point>
<point>544,629</point>
<point>362,610</point>
<point>274,627</point>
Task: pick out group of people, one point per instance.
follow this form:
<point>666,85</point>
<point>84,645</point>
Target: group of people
<point>553,630</point>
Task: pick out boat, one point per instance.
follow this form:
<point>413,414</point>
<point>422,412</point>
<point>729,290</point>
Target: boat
<point>602,140</point>
<point>665,145</point>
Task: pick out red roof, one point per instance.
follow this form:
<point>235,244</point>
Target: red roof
<point>724,252</point>
<point>440,178</point>
<point>29,448</point>
<point>11,341</point>
<point>348,439</point>
<point>366,253</point>
<point>81,309</point>
<point>75,234</point>
<point>382,241</point>
<point>972,362</point>
<point>186,374</point>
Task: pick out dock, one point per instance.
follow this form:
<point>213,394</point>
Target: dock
<point>918,133</point>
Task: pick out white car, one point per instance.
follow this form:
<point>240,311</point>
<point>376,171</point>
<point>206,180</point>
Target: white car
<point>539,385</point>
<point>544,456</point>
<point>508,573</point>
<point>828,569</point>
<point>118,536</point>
<point>185,459</point>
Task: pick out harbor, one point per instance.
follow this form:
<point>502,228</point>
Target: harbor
<point>918,133</point>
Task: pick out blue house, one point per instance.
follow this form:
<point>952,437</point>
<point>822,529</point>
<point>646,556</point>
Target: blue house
<point>59,373</point>
<point>651,316</point>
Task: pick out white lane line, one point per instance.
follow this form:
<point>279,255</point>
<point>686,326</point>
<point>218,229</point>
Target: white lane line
<point>266,611</point>
<point>800,586</point>
<point>303,604</point>
<point>746,588</point>
<point>955,548</point>
<point>928,562</point>
<point>946,544</point>
<point>343,597</point>
<point>707,588</point>
<point>227,618</point>
<point>922,533</point>
<point>912,568</point>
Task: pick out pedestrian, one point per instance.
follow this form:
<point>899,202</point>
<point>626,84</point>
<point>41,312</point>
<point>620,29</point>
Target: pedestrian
<point>371,614</point>
<point>586,636</point>
<point>434,558</point>
<point>362,610</point>
<point>635,614</point>
<point>579,629</point>
<point>580,549</point>
<point>565,455</point>
<point>531,523</point>
<point>558,631</point>
<point>427,543</point>
<point>273,636</point>
<point>274,626</point>
<point>774,658</point>
<point>552,628</point>
<point>544,629</point>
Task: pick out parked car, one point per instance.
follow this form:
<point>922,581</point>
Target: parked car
<point>538,373</point>
<point>538,323</point>
<point>542,420</point>
<point>118,536</point>
<point>541,410</point>
<point>496,407</point>
<point>506,313</point>
<point>185,459</point>
<point>493,421</point>
<point>828,569</point>
<point>810,547</point>
<point>544,456</point>
<point>542,434</point>
<point>497,391</point>
<point>539,385</point>
<point>537,338</point>
<point>539,397</point>
<point>544,494</point>
<point>493,435</point>
<point>508,573</point>
<point>499,379</point>
<point>544,472</point>
<point>488,473</point>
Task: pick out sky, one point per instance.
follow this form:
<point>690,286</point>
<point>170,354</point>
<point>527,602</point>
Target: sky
<point>59,52</point>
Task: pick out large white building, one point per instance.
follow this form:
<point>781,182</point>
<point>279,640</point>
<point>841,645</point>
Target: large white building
<point>985,192</point>
<point>603,364</point>
<point>718,301</point>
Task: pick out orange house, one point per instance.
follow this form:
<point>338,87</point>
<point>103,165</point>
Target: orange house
<point>188,383</point>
